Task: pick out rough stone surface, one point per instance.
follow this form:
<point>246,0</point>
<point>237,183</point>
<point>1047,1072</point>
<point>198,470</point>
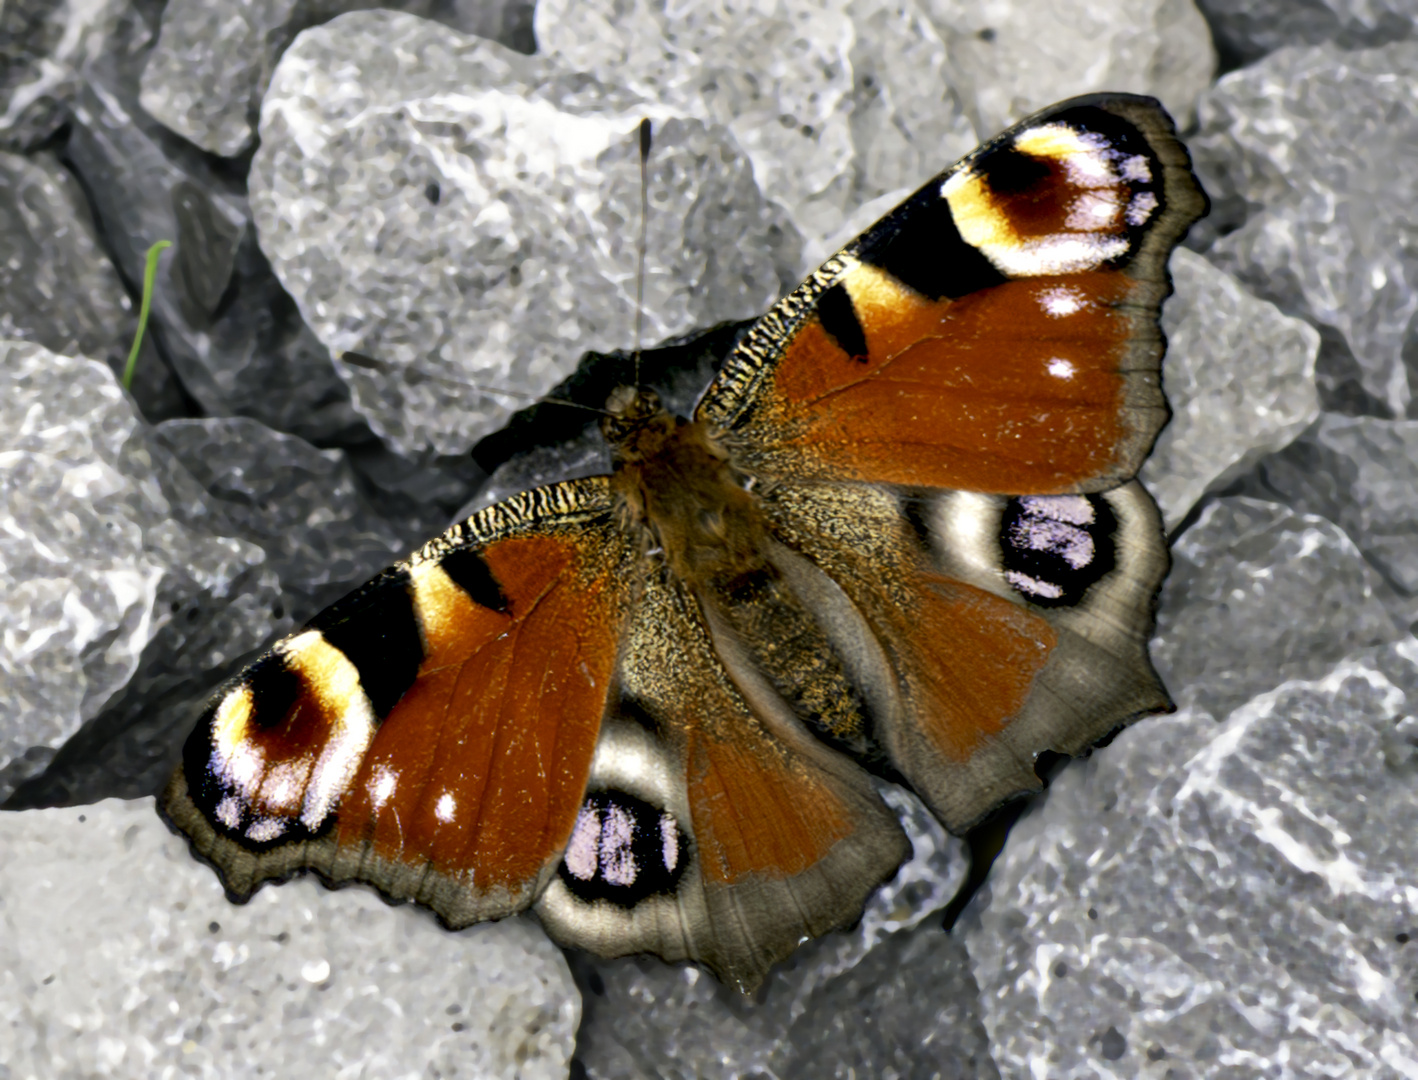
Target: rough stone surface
<point>1261,592</point>
<point>1288,593</point>
<point>57,287</point>
<point>1013,58</point>
<point>212,64</point>
<point>1244,32</point>
<point>120,957</point>
<point>302,506</point>
<point>834,103</point>
<point>418,213</point>
<point>870,999</point>
<point>46,46</point>
<point>103,552</point>
<point>1240,378</point>
<point>1361,472</point>
<point>1312,153</point>
<point>1219,898</point>
<point>220,319</point>
<point>210,67</point>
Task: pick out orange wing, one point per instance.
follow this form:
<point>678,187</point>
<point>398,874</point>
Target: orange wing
<point>432,733</point>
<point>997,332</point>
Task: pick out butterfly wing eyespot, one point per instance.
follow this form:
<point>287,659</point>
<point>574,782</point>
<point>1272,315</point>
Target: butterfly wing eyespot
<point>432,733</point>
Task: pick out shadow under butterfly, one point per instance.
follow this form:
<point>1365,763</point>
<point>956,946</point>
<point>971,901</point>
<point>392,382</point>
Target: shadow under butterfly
<point>899,536</point>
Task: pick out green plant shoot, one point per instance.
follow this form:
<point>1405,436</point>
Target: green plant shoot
<point>150,273</point>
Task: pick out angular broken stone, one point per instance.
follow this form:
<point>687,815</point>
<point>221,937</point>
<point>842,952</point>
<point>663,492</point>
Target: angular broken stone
<point>1010,59</point>
<point>1208,892</point>
<point>1240,378</point>
<point>1293,156</point>
<point>1287,593</point>
<point>212,63</point>
<point>834,103</point>
<point>106,561</point>
<point>122,957</point>
<point>303,506</point>
<point>471,221</point>
<point>57,286</point>
<point>1361,472</point>
<point>1246,32</point>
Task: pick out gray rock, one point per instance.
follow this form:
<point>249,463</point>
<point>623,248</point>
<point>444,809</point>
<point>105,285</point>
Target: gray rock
<point>122,958</point>
<point>45,48</point>
<point>834,103</point>
<point>57,287</point>
<point>1294,152</point>
<point>1244,32</point>
<point>868,1001</point>
<point>1361,472</point>
<point>220,319</point>
<point>1218,899</point>
<point>212,64</point>
<point>1259,594</point>
<point>205,77</point>
<point>105,557</point>
<point>1010,59</point>
<point>225,325</point>
<point>1240,378</point>
<point>419,215</point>
<point>302,506</point>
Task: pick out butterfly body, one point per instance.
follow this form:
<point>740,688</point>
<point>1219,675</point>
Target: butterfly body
<point>897,539</point>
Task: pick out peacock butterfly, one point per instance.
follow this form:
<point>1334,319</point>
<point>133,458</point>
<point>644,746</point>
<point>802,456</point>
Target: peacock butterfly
<point>899,536</point>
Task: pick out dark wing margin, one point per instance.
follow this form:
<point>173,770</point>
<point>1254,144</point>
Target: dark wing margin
<point>431,734</point>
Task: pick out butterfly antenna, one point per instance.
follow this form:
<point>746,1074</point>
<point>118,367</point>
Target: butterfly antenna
<point>371,364</point>
<point>640,250</point>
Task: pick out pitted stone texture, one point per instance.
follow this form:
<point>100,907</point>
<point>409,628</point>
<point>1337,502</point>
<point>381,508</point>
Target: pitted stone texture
<point>891,997</point>
<point>1313,152</point>
<point>57,287</point>
<point>834,102</point>
<point>1362,473</point>
<point>472,217</point>
<point>103,546</point>
<point>1009,59</point>
<point>121,957</point>
<point>1240,378</point>
<point>1244,32</point>
<point>1218,899</point>
<point>1259,594</point>
<point>46,46</point>
<point>303,506</point>
<point>218,315</point>
<point>213,62</point>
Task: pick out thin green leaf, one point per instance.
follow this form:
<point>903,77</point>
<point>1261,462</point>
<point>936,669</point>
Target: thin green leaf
<point>150,273</point>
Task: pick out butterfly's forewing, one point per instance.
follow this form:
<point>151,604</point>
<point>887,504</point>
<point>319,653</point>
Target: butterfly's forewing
<point>432,733</point>
<point>996,332</point>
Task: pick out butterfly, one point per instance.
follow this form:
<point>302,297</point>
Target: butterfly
<point>899,538</point>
